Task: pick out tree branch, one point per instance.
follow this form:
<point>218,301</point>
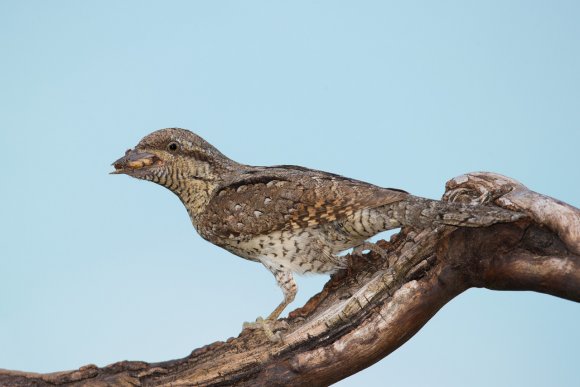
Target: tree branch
<point>369,310</point>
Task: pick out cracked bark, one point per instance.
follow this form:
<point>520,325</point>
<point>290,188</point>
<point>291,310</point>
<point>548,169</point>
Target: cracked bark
<point>366,312</point>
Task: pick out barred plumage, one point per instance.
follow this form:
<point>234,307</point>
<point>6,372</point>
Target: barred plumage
<point>291,219</point>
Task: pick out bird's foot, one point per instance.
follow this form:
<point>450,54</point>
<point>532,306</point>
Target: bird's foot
<point>271,328</point>
<point>358,250</point>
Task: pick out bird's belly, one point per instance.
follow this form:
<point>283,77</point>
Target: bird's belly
<point>302,251</point>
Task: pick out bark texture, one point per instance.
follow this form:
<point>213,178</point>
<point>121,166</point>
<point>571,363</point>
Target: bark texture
<point>366,312</point>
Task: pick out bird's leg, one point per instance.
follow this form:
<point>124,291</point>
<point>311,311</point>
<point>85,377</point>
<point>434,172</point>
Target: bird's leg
<point>286,282</point>
<point>358,250</point>
<point>289,288</point>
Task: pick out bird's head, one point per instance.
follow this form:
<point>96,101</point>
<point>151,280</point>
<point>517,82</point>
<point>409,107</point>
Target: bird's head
<point>175,158</point>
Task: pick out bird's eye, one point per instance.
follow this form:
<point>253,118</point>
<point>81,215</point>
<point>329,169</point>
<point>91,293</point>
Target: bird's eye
<point>172,146</point>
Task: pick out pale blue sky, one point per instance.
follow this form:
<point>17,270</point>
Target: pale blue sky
<point>98,268</point>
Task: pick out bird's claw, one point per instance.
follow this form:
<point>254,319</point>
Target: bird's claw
<point>271,328</point>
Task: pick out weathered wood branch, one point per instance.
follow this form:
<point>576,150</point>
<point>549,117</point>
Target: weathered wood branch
<point>368,311</point>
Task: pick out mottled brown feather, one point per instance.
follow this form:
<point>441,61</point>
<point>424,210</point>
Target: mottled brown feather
<point>286,198</point>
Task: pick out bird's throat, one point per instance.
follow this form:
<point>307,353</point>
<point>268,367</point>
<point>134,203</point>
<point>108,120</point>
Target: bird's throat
<point>195,196</point>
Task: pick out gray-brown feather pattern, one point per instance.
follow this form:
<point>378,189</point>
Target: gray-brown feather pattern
<point>281,198</point>
<point>289,218</point>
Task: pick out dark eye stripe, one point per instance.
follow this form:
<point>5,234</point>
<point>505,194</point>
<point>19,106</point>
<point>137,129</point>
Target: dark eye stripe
<point>196,154</point>
<point>199,156</point>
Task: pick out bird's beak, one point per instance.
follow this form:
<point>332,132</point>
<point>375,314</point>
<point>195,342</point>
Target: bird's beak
<point>134,160</point>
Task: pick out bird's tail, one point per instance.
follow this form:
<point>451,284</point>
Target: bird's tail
<point>416,211</point>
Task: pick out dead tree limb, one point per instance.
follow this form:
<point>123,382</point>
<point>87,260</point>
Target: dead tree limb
<point>369,310</point>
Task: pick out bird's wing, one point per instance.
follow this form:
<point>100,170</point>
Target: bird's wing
<point>286,198</point>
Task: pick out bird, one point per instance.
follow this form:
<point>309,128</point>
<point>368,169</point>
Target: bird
<point>291,219</point>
